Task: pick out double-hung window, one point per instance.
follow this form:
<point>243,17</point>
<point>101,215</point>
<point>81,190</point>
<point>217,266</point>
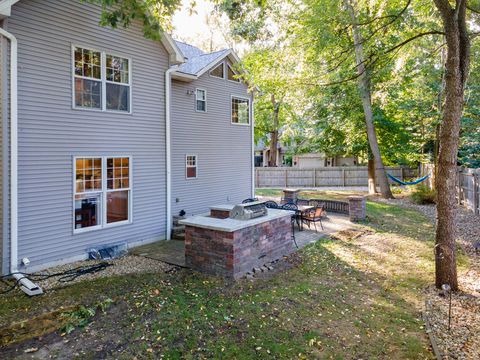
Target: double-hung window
<point>201,100</point>
<point>240,111</point>
<point>101,81</point>
<point>191,166</point>
<point>102,195</point>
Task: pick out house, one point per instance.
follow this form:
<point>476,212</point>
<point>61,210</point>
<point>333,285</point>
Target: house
<point>262,154</point>
<point>212,132</point>
<point>318,160</point>
<point>106,134</point>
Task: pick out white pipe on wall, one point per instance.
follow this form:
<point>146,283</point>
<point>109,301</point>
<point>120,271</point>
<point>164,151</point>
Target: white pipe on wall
<point>13,151</point>
<point>253,145</point>
<point>168,150</point>
<point>25,284</point>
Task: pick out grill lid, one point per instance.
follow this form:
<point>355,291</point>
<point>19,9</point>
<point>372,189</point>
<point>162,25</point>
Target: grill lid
<point>248,211</point>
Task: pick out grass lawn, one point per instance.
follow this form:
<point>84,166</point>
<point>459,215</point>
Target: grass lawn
<point>357,295</point>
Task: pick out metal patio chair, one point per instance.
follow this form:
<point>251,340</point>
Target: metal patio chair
<point>313,216</point>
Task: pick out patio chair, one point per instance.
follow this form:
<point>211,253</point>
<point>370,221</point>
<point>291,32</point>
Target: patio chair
<point>297,217</point>
<point>318,203</point>
<point>313,216</point>
<point>270,204</point>
<point>249,200</point>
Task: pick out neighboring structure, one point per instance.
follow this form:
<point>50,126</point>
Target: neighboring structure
<point>319,160</point>
<point>262,154</point>
<point>109,133</point>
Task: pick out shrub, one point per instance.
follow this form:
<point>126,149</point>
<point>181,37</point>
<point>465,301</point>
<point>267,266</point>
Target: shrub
<point>396,190</point>
<point>423,195</point>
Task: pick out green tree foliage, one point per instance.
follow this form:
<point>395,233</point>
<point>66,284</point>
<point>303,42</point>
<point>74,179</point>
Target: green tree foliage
<point>469,151</point>
<point>155,15</point>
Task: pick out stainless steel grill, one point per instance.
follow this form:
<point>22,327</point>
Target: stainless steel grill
<point>248,211</point>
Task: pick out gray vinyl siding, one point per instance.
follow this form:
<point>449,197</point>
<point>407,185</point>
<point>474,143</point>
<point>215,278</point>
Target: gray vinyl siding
<point>2,124</point>
<point>51,132</point>
<point>224,173</point>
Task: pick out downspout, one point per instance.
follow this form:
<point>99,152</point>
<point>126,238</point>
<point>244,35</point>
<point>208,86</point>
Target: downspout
<point>253,145</point>
<point>168,150</point>
<point>25,284</point>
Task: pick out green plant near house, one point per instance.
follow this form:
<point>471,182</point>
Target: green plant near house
<point>423,195</point>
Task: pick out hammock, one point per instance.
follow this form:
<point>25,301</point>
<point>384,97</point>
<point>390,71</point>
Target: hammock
<point>408,182</point>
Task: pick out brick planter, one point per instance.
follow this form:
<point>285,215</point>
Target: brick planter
<point>357,208</point>
<point>232,254</point>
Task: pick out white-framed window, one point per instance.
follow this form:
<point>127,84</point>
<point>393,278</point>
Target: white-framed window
<point>231,74</point>
<point>101,81</point>
<point>201,100</point>
<point>102,192</point>
<point>218,71</point>
<point>191,166</point>
<point>240,110</point>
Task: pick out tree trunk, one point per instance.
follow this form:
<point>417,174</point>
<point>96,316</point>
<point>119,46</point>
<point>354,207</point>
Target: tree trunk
<point>364,89</point>
<point>456,74</point>
<point>272,159</point>
<point>437,128</point>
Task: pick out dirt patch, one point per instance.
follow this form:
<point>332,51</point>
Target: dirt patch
<point>33,327</point>
<point>352,233</point>
<point>52,343</point>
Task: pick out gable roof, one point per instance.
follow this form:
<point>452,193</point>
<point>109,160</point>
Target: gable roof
<point>175,55</point>
<point>197,62</point>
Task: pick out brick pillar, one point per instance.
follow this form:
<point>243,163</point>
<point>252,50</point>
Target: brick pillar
<point>290,195</point>
<point>357,208</point>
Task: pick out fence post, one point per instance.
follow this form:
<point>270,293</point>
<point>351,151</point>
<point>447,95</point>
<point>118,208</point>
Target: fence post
<point>344,180</point>
<point>402,175</point>
<point>459,185</point>
<point>286,178</point>
<point>313,178</point>
<point>476,200</point>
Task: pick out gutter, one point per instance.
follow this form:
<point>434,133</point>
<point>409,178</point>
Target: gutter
<point>168,150</point>
<point>25,284</point>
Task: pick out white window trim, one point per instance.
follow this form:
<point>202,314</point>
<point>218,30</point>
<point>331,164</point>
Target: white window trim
<point>249,110</point>
<point>103,79</point>
<point>196,167</point>
<point>218,77</point>
<point>238,81</point>
<point>196,99</point>
<point>103,194</point>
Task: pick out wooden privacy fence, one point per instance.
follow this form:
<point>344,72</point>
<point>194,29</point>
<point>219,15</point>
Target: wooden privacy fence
<point>328,176</point>
<point>467,187</point>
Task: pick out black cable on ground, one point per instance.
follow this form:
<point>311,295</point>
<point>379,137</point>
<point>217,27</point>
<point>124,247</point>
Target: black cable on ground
<point>65,276</point>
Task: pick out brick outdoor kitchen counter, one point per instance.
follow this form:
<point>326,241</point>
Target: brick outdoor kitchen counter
<point>230,248</point>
